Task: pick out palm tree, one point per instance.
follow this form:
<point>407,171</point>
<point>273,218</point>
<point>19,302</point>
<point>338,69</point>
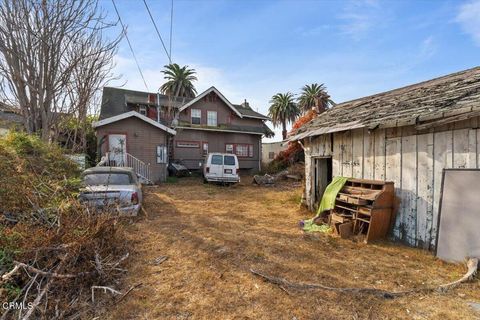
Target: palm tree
<point>315,96</point>
<point>283,110</point>
<point>179,81</point>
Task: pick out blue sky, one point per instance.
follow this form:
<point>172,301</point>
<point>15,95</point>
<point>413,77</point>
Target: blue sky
<point>253,49</point>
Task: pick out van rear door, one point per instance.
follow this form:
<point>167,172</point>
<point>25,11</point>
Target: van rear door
<point>216,166</point>
<point>229,166</point>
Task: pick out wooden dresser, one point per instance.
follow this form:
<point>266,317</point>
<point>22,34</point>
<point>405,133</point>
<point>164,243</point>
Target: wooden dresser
<point>364,207</point>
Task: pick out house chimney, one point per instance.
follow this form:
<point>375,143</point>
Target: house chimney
<point>245,104</point>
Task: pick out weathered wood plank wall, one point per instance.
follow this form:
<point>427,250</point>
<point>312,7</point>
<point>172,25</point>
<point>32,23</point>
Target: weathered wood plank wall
<point>413,160</point>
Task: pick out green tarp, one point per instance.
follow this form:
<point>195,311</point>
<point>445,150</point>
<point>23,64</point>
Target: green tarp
<point>327,203</point>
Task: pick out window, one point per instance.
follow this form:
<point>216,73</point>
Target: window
<point>143,110</point>
<point>229,160</point>
<point>161,154</point>
<point>205,148</point>
<point>107,178</point>
<point>217,159</point>
<point>188,144</point>
<point>242,150</point>
<point>271,155</point>
<point>212,118</point>
<point>196,116</point>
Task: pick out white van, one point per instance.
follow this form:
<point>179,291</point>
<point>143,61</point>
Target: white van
<point>221,167</point>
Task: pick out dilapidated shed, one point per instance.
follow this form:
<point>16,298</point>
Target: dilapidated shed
<point>408,136</point>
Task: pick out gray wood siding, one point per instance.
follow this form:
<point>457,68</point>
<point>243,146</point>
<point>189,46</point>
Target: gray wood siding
<point>193,158</point>
<point>413,160</point>
<point>142,142</point>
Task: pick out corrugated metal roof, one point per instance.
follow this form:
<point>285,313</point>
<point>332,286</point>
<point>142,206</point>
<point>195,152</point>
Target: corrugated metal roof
<point>420,104</point>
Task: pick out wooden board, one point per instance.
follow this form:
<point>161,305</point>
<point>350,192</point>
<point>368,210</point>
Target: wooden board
<point>393,167</point>
<point>379,160</point>
<point>357,148</point>
<point>337,159</point>
<point>442,158</point>
<point>347,154</point>
<point>424,190</point>
<point>460,148</point>
<point>408,206</point>
<point>368,161</point>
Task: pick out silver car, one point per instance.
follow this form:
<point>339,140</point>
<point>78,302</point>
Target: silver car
<point>112,188</point>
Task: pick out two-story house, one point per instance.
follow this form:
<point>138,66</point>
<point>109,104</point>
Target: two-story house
<point>149,130</point>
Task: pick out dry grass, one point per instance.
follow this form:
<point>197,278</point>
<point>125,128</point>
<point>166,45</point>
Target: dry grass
<point>213,235</point>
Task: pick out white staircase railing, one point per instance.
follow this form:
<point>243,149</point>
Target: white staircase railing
<point>141,168</point>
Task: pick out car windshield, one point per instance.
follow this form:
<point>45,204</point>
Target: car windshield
<point>217,159</point>
<point>229,160</point>
<point>107,178</point>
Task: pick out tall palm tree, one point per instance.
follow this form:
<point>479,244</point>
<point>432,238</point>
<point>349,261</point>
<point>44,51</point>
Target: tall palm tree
<point>179,81</point>
<point>283,110</point>
<point>315,96</point>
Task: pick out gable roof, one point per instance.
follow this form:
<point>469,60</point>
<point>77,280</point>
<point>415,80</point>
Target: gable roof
<point>114,102</point>
<point>132,114</point>
<point>426,104</point>
<point>204,93</point>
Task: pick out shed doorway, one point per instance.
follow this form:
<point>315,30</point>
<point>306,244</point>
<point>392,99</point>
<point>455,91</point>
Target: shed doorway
<point>322,176</point>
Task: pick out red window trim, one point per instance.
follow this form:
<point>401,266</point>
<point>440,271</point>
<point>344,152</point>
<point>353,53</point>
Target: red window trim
<point>243,144</point>
<point>187,141</point>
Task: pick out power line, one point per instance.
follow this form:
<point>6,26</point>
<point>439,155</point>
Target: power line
<point>130,45</point>
<point>158,32</point>
<point>171,29</point>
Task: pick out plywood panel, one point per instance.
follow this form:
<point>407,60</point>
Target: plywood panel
<point>347,154</point>
<point>442,158</point>
<point>408,208</point>
<point>393,167</point>
<point>460,148</point>
<point>368,154</point>
<point>357,165</point>
<point>379,160</point>
<point>337,159</point>
<point>424,189</point>
<point>458,234</point>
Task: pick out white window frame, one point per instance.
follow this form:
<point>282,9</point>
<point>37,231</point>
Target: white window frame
<point>212,118</point>
<point>188,144</point>
<point>241,150</point>
<point>143,110</point>
<point>198,114</point>
<point>229,148</point>
<point>204,148</point>
<point>162,153</point>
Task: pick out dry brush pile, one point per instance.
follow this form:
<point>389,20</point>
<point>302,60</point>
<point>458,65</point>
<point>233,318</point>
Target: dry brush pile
<point>53,251</point>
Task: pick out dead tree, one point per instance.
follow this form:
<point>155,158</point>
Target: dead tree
<point>54,56</point>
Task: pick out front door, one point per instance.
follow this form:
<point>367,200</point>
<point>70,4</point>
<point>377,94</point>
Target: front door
<point>117,149</point>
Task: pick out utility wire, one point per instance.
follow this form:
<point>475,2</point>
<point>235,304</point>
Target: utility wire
<point>171,31</point>
<point>130,45</point>
<point>158,32</point>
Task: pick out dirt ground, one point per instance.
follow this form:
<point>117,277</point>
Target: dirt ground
<point>212,236</point>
